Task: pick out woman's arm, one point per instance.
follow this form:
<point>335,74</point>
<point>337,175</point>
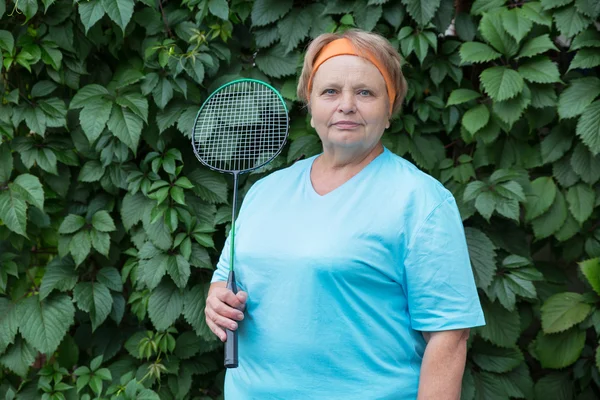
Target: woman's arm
<point>443,365</point>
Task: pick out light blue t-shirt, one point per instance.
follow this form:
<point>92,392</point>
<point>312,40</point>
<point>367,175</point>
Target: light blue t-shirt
<point>340,285</point>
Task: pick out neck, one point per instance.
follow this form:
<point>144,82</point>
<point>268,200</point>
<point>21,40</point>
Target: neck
<point>335,159</point>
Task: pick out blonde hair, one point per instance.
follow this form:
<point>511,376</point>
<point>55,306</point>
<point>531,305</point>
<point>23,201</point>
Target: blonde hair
<point>364,42</point>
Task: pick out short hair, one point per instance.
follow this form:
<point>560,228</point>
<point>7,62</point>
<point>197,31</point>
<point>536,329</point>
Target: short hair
<point>364,42</point>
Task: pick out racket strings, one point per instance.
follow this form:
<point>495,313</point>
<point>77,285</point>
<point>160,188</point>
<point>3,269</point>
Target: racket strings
<point>242,127</point>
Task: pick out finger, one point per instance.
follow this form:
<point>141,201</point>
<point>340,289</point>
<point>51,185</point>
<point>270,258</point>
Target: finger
<point>220,333</point>
<point>227,296</point>
<point>221,321</point>
<point>242,298</point>
<point>226,311</point>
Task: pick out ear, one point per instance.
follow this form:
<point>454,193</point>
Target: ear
<point>387,125</point>
<point>312,122</point>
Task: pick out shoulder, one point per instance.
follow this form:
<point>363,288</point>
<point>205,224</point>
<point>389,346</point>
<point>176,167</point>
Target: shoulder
<point>413,184</point>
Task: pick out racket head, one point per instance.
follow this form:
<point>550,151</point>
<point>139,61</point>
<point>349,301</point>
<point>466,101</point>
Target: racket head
<point>241,126</point>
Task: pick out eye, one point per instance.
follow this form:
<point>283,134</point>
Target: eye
<point>364,92</point>
<point>329,91</point>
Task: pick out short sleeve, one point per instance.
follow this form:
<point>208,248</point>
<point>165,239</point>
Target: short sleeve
<point>439,280</point>
<point>222,270</point>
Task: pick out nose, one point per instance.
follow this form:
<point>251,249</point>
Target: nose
<point>347,102</point>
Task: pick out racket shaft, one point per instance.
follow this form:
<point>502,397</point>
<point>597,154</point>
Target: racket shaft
<point>231,345</point>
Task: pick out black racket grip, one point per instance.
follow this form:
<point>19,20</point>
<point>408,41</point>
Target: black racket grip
<point>231,345</point>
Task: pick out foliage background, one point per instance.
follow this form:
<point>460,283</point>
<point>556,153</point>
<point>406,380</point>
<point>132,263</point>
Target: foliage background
<point>109,228</point>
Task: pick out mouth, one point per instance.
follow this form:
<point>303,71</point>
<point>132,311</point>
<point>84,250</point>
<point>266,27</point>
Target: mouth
<point>346,124</point>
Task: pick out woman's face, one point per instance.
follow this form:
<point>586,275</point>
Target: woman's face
<point>349,104</point>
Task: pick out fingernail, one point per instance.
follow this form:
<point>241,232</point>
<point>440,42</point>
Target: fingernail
<point>233,325</point>
<point>240,316</point>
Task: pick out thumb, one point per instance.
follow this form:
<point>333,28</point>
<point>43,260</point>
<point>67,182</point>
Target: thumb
<point>242,296</point>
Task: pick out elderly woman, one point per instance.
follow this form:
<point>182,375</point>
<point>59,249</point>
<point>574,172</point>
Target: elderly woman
<point>353,265</point>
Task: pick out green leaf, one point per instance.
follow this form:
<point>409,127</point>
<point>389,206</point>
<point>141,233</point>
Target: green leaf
<point>7,41</point>
<point>540,70</point>
<point>93,118</point>
<point>459,96</point>
<point>556,144</point>
<point>103,222</point>
<point>516,24</point>
<point>13,212</point>
<point>569,229</point>
<point>581,199</point>
<point>188,344</point>
<point>294,28</point>
<point>111,278</point>
<point>551,222</point>
<point>193,311</point>
<point>71,224</point>
<point>555,386</point>
<point>92,171</point>
<point>588,127</point>
<point>162,93</point>
<point>44,324</point>
<point>219,8</point>
<point>179,270</point>
<point>481,6</point>
<point>475,52</point>
<point>562,311</point>
<point>502,326</point>
<point>559,350</point>
<point>9,323</point>
<point>580,94</point>
<point>127,126</point>
<point>120,11</point>
<point>543,193</point>
<point>30,188</point>
<point>209,186</point>
<point>19,357</point>
<point>550,4</point>
<point>482,253</point>
<point>42,88</point>
<point>496,359</point>
<point>584,163</point>
<point>501,83</point>
<point>152,270</point>
<point>266,11</point>
<point>569,22</point>
<point>136,103</point>
<point>133,208</point>
<point>276,62</point>
<point>165,305</point>
<point>367,15</point>
<point>476,118</point>
<point>591,8</point>
<point>95,299</point>
<point>87,94</point>
<point>537,45</point>
<point>426,150</point>
<point>587,38</point>
<point>492,30</point>
<point>100,241</point>
<point>591,270</point>
<point>90,12</point>
<point>421,11</point>
<point>6,163</point>
<point>59,274</point>
<point>80,246</point>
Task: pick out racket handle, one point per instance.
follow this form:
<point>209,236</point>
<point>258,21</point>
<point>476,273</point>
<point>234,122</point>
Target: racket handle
<point>231,345</point>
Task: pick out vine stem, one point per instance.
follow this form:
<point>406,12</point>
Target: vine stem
<point>162,11</point>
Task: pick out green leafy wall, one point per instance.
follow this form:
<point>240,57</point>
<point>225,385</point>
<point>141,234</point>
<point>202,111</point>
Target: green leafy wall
<point>109,227</point>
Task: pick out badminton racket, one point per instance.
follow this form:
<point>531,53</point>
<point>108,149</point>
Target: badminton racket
<point>242,126</point>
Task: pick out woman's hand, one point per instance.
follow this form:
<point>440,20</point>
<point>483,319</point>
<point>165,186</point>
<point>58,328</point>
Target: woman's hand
<point>223,309</point>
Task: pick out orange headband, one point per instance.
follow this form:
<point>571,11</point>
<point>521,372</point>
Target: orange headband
<point>343,46</point>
